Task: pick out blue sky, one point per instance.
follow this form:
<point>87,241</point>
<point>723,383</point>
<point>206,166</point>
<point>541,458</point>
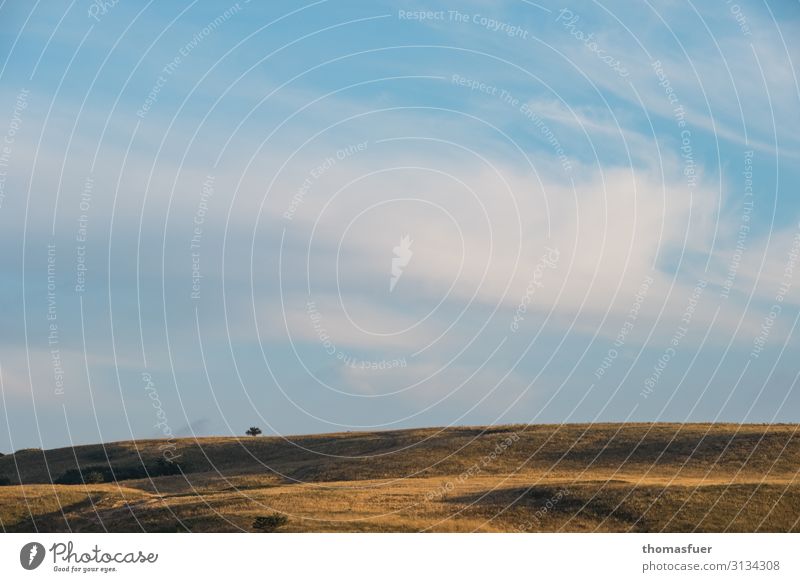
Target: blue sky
<point>600,204</point>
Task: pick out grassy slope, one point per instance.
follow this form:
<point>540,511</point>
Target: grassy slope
<point>632,477</point>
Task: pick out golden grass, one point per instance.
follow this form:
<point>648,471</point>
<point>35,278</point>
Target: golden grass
<point>662,477</point>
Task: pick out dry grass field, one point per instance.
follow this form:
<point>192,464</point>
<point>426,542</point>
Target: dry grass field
<point>606,477</point>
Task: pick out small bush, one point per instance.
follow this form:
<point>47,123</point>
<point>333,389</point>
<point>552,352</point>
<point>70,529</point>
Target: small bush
<point>269,523</point>
<point>93,477</point>
<point>4,481</point>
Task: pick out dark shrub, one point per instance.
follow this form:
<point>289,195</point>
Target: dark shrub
<point>4,481</point>
<point>77,477</point>
<point>108,474</point>
<point>269,523</point>
<point>94,477</point>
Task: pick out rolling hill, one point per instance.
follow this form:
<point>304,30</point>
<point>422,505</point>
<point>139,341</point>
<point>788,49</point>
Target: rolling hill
<point>601,477</point>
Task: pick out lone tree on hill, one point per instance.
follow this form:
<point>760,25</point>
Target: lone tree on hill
<point>253,431</point>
